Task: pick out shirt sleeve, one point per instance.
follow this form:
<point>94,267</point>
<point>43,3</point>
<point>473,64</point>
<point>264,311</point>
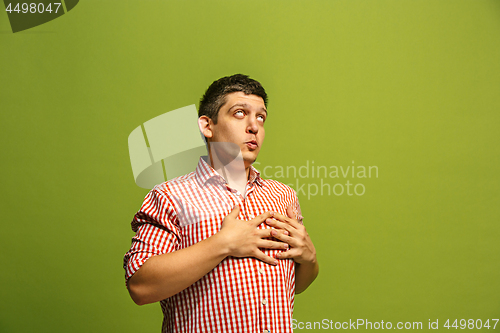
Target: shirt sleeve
<point>157,231</point>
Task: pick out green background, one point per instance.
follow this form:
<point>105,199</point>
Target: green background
<point>409,86</point>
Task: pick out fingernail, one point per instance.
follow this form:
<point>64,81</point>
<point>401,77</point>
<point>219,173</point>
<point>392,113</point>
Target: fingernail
<point>285,246</point>
<point>285,232</point>
<point>276,262</point>
<point>272,213</point>
<point>278,255</point>
<point>273,232</point>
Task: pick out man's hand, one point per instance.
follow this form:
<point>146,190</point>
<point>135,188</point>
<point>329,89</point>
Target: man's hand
<point>245,239</point>
<point>167,274</point>
<point>301,247</point>
<point>301,250</point>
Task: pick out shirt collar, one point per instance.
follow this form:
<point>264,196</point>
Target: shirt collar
<point>204,172</point>
<point>254,176</point>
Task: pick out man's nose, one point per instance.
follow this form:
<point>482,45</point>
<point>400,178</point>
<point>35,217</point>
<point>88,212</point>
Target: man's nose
<point>252,126</point>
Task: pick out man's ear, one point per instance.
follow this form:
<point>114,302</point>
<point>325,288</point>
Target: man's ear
<point>205,125</point>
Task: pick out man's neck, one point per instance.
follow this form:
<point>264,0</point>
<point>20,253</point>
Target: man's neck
<point>235,173</point>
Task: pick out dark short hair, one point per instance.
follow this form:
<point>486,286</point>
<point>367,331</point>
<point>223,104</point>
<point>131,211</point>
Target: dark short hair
<point>215,96</point>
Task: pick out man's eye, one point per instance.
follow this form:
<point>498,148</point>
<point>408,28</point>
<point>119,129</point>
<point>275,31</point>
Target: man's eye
<point>261,118</point>
<point>239,114</point>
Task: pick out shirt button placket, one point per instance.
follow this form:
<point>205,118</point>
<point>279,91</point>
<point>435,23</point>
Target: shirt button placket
<point>241,202</point>
<point>263,300</point>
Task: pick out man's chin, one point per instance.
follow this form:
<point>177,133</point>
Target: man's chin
<point>249,160</point>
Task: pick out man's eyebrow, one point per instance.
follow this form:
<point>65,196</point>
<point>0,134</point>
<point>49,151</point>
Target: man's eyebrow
<point>243,105</point>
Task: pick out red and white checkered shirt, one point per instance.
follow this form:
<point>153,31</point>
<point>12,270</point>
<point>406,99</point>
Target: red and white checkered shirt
<point>239,294</point>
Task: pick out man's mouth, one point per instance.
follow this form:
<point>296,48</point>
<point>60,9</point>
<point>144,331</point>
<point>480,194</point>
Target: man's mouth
<point>252,145</point>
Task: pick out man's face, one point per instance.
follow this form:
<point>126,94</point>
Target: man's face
<point>241,121</point>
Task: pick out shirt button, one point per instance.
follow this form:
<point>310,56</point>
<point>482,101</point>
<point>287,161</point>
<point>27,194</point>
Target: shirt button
<point>261,270</point>
<point>264,301</point>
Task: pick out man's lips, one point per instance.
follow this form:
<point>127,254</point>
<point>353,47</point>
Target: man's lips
<point>252,144</point>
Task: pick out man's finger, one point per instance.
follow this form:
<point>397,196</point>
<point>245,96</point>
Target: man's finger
<point>287,239</point>
<point>280,231</point>
<point>280,225</point>
<point>289,220</point>
<point>267,259</point>
<point>290,254</point>
<point>269,244</point>
<point>235,212</point>
<point>266,233</point>
<point>261,218</point>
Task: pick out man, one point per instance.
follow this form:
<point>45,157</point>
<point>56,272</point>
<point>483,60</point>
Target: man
<point>220,254</point>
